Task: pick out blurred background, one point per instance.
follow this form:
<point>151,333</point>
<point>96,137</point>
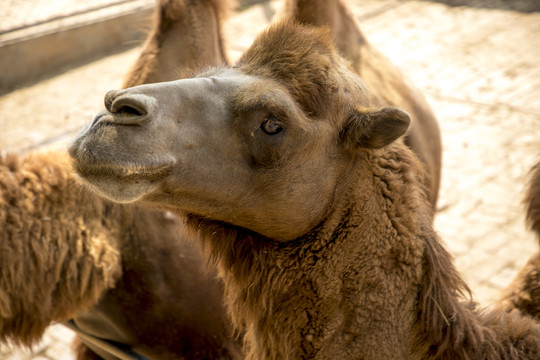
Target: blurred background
<point>476,61</point>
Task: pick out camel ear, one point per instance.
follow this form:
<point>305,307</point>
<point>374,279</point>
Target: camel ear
<point>374,129</point>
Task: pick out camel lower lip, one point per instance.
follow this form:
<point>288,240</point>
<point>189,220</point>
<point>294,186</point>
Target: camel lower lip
<point>125,172</point>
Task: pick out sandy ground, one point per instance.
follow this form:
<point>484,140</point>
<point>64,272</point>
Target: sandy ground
<point>478,65</point>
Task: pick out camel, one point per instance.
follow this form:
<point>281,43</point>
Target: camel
<point>386,83</point>
<point>305,197</point>
<point>121,273</point>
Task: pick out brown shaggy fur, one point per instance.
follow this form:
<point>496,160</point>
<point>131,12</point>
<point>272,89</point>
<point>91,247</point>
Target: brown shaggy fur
<point>54,257</point>
<point>369,279</point>
<point>386,83</point>
<point>124,273</point>
<point>185,34</point>
<point>524,292</point>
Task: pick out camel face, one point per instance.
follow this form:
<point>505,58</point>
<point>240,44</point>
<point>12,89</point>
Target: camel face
<point>239,145</point>
<point>219,145</point>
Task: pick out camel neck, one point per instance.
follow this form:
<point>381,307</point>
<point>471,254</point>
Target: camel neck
<point>342,285</point>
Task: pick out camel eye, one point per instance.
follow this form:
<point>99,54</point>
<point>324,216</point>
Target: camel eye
<point>271,126</point>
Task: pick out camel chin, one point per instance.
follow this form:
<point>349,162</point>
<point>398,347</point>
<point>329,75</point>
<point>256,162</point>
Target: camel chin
<point>122,184</point>
<point>119,191</point>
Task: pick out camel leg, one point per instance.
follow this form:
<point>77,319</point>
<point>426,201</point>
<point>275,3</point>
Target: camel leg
<point>185,36</point>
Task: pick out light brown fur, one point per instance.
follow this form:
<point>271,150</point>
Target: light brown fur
<point>314,211</point>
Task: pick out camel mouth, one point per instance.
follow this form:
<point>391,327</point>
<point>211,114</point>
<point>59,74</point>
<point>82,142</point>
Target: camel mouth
<point>126,183</point>
<point>124,172</point>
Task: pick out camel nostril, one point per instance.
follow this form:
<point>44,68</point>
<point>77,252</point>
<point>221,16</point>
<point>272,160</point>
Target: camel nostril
<point>125,103</point>
<point>131,105</point>
<point>128,110</point>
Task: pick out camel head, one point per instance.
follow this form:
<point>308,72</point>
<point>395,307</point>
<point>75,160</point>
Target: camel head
<point>264,145</point>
